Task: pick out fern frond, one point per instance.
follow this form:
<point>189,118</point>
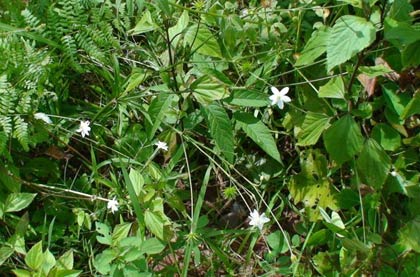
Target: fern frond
<point>21,132</point>
<point>6,124</point>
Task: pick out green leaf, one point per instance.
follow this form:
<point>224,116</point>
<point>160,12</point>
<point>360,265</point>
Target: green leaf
<point>276,242</point>
<point>152,246</point>
<point>155,223</point>
<point>220,76</point>
<point>48,262</point>
<point>315,47</point>
<point>373,164</point>
<point>386,136</point>
<point>18,201</point>
<point>343,139</point>
<point>103,261</point>
<point>333,89</point>
<point>221,129</point>
<point>411,54</point>
<point>400,34</point>
<point>22,273</point>
<point>375,71</point>
<point>354,3</point>
<point>137,77</point>
<point>350,35</point>
<point>5,253</point>
<point>176,31</point>
<point>400,11</point>
<point>259,133</point>
<point>120,232</point>
<point>157,111</point>
<point>248,98</point>
<point>313,126</point>
<point>409,235</point>
<point>206,90</point>
<point>35,257</point>
<point>105,231</point>
<point>200,39</point>
<point>137,181</point>
<point>413,107</point>
<point>66,260</point>
<point>146,24</point>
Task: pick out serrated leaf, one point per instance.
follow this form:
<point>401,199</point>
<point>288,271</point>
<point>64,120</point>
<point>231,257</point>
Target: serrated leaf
<point>35,257</point>
<point>202,41</point>
<point>152,246</point>
<point>206,90</point>
<point>248,98</point>
<point>315,47</point>
<point>18,201</point>
<point>343,139</point>
<point>105,231</point>
<point>221,129</point>
<point>259,133</point>
<point>333,89</point>
<point>154,223</point>
<point>386,136</point>
<point>313,126</point>
<point>411,54</point>
<point>373,164</point>
<point>350,35</point>
<point>400,34</point>
<point>413,107</point>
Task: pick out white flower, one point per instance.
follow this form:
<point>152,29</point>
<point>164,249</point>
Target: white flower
<point>279,97</point>
<point>257,219</point>
<point>113,205</point>
<point>162,145</point>
<point>393,173</point>
<point>84,128</point>
<point>43,117</point>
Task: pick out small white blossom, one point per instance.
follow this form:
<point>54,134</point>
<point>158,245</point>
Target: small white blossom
<point>162,145</point>
<point>43,117</point>
<point>113,205</point>
<point>84,128</point>
<point>279,97</point>
<point>393,173</point>
<point>257,219</point>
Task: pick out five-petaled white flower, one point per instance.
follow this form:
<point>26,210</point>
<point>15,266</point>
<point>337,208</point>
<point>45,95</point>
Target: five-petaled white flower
<point>257,219</point>
<point>279,97</point>
<point>43,117</point>
<point>84,128</point>
<point>113,205</point>
<point>162,145</point>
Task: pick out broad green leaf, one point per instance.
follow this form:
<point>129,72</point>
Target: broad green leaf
<point>18,201</point>
<point>5,253</point>
<point>400,11</point>
<point>176,31</point>
<point>103,261</point>
<point>413,107</point>
<point>35,257</point>
<point>22,273</point>
<point>137,77</point>
<point>343,139</point>
<point>318,238</point>
<point>386,136</point>
<point>313,126</point>
<point>49,262</point>
<point>220,76</point>
<point>66,260</point>
<point>373,164</point>
<point>395,102</point>
<point>221,129</point>
<point>157,111</point>
<point>411,54</point>
<point>375,71</point>
<point>276,242</point>
<point>248,98</point>
<point>105,231</point>
<point>120,232</point>
<point>400,34</point>
<point>259,133</point>
<point>146,24</point>
<point>206,90</point>
<point>202,41</point>
<point>350,35</point>
<point>315,47</point>
<point>409,235</point>
<point>137,181</point>
<point>333,89</point>
<point>154,223</point>
<point>152,246</point>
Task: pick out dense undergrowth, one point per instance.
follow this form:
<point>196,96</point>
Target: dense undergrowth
<point>156,137</point>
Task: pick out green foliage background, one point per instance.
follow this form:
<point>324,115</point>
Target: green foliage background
<point>336,170</point>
